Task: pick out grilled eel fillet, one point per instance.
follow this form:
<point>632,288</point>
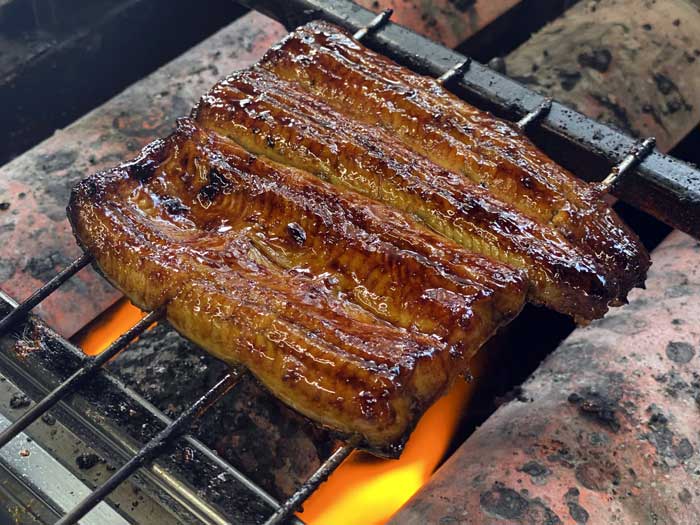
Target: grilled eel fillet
<point>472,146</point>
<point>275,118</point>
<point>344,307</point>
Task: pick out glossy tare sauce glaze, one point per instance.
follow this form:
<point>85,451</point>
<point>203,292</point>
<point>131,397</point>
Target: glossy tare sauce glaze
<point>461,138</point>
<point>350,240</point>
<point>272,117</point>
<point>346,309</point>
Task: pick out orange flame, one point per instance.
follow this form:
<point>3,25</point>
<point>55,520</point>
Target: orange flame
<point>107,327</point>
<point>366,490</point>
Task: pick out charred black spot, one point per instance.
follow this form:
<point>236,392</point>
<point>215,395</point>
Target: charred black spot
<point>462,5</point>
<point>175,206</point>
<point>618,111</point>
<point>217,185</point>
<point>598,59</point>
<point>143,170</point>
<point>297,232</point>
<point>4,206</point>
<point>270,141</point>
<point>685,496</point>
<point>577,512</point>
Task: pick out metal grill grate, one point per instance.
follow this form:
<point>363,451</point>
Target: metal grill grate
<point>88,369</point>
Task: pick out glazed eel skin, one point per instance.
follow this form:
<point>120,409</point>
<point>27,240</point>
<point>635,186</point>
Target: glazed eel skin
<point>350,233</point>
<point>271,117</point>
<point>471,144</point>
<point>345,308</point>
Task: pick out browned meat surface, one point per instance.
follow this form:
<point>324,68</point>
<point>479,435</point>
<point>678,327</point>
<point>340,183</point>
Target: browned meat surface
<point>350,233</point>
<point>346,309</point>
<point>274,118</point>
<point>468,142</point>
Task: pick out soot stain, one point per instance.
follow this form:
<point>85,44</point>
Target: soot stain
<point>576,511</point>
<point>680,352</point>
<point>598,474</point>
<point>670,448</point>
<point>60,160</point>
<point>598,59</point>
<point>568,79</point>
<point>503,502</point>
<point>536,471</point>
<point>601,403</point>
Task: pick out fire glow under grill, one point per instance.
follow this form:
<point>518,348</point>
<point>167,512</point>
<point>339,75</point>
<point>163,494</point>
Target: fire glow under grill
<point>364,490</point>
<point>376,487</point>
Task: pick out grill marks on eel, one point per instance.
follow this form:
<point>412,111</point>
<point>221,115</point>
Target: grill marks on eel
<point>270,117</point>
<point>327,63</point>
<point>342,306</point>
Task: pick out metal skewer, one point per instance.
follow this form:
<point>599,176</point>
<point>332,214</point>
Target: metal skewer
<point>152,449</point>
<point>535,115</point>
<point>377,22</point>
<point>455,71</point>
<point>636,156</point>
<point>311,484</point>
<point>42,293</point>
<point>74,381</point>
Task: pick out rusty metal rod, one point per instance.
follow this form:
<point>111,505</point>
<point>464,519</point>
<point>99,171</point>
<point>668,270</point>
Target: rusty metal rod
<point>631,161</point>
<point>455,71</point>
<point>535,115</point>
<point>152,449</point>
<point>74,381</point>
<point>42,293</point>
<point>377,22</point>
<point>311,484</point>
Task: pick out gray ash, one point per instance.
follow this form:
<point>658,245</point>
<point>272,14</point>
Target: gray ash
<point>270,443</point>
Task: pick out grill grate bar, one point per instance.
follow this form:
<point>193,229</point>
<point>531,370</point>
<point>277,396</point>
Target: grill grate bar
<point>311,484</point>
<point>75,380</point>
<point>152,449</point>
<point>42,293</point>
